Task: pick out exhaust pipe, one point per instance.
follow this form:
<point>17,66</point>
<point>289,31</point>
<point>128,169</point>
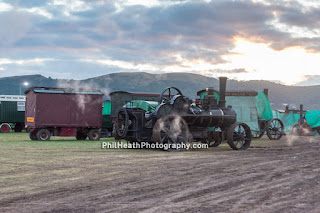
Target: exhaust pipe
<point>223,85</point>
<point>266,92</point>
<point>301,119</point>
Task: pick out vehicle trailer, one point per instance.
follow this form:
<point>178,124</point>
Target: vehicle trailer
<point>63,112</point>
<point>12,109</point>
<point>175,120</point>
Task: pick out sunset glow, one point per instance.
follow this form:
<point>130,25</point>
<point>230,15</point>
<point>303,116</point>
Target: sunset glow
<point>288,65</point>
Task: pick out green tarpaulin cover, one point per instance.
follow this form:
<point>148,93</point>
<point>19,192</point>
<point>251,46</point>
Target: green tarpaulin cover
<point>313,118</point>
<point>263,106</point>
<point>148,106</point>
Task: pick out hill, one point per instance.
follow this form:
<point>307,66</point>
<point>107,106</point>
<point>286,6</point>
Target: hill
<point>188,83</point>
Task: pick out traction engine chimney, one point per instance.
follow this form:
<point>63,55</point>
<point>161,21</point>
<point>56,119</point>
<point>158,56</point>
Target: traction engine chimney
<point>223,85</point>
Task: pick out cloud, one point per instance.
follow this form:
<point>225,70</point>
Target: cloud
<point>70,6</point>
<point>38,11</point>
<point>123,64</point>
<point>5,7</point>
<point>155,36</point>
<point>35,61</point>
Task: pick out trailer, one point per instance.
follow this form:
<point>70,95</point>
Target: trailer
<point>63,112</point>
<point>12,109</point>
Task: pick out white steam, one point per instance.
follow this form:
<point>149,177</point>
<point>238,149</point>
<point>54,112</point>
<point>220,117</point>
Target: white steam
<point>83,100</point>
<point>173,127</point>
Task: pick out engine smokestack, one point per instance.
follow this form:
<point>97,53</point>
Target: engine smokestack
<point>223,85</point>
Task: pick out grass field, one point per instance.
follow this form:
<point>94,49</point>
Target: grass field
<point>66,175</point>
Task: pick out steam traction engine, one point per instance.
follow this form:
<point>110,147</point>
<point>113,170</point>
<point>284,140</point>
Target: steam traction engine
<point>177,119</point>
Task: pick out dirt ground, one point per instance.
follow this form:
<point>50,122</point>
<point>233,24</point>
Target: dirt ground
<point>271,176</point>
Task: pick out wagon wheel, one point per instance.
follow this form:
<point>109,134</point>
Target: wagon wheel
<point>171,91</point>
<point>295,129</point>
<point>239,136</point>
<point>305,129</point>
<point>275,129</point>
<point>122,122</point>
<point>172,131</point>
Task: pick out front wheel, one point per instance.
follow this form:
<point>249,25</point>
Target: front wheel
<point>239,136</point>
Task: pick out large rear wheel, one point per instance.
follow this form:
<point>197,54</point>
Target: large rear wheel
<point>172,132</point>
<point>239,136</point>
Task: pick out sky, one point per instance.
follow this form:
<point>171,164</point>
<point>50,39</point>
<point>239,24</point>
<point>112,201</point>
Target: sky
<point>276,40</point>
